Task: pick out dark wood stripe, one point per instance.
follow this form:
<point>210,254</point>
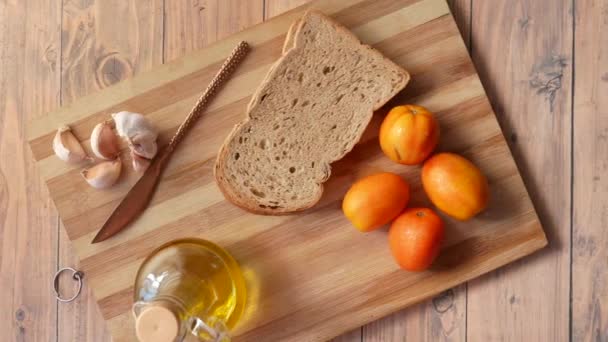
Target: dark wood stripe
<point>116,304</point>
<point>372,9</point>
<point>419,37</point>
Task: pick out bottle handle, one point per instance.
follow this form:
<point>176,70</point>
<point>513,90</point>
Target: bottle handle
<point>215,332</point>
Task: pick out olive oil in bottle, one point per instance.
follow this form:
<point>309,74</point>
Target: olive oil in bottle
<point>188,286</point>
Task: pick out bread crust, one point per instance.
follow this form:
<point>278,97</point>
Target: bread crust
<point>290,46</point>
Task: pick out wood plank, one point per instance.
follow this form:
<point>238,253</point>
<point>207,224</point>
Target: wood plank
<point>81,319</point>
<point>194,24</point>
<point>30,55</point>
<point>444,317</point>
<point>334,274</point>
<point>590,120</point>
<point>441,318</point>
<point>103,43</point>
<point>107,41</point>
<point>524,58</point>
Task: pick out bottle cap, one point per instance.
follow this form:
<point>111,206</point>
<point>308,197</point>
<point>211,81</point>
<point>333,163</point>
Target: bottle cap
<point>156,323</point>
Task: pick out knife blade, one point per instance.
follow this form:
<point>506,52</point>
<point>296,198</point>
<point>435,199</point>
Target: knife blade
<point>138,198</point>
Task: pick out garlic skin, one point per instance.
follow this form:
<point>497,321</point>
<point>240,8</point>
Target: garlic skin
<point>67,147</point>
<point>104,142</point>
<point>104,174</point>
<point>144,146</point>
<point>140,164</point>
<point>138,133</point>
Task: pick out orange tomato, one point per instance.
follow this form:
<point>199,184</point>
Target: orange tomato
<point>455,185</point>
<point>375,200</point>
<point>409,134</point>
<point>415,238</point>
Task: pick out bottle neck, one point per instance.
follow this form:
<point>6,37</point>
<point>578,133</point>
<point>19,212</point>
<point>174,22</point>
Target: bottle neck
<point>157,321</point>
<point>165,319</point>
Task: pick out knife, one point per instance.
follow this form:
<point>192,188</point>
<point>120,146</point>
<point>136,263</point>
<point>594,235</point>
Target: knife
<point>138,198</point>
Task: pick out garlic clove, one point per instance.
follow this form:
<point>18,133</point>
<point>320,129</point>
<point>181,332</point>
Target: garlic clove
<point>104,142</point>
<point>67,147</point>
<point>138,132</point>
<point>144,145</point>
<point>104,174</point>
<point>140,164</point>
<point>129,124</point>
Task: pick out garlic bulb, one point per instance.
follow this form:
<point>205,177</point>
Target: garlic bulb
<point>104,142</point>
<point>104,174</point>
<point>67,147</point>
<point>140,164</point>
<point>138,132</point>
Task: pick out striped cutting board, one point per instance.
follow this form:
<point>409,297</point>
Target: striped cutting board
<point>311,276</point>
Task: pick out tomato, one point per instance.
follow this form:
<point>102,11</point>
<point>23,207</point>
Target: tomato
<point>415,238</point>
<point>375,200</point>
<point>455,185</point>
<point>409,134</point>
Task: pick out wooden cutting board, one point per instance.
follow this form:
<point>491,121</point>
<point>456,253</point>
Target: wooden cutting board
<point>311,276</point>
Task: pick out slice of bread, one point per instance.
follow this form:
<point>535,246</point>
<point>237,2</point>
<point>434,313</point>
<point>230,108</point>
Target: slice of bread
<point>310,110</point>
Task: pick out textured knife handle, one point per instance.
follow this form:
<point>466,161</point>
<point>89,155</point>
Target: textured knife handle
<point>220,78</point>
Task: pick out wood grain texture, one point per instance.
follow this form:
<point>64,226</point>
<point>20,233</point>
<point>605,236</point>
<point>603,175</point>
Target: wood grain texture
<point>107,41</point>
<point>590,233</point>
<point>81,319</point>
<point>273,8</point>
<point>194,24</point>
<point>444,317</point>
<point>103,43</point>
<point>461,10</point>
<point>29,84</point>
<point>326,251</point>
<point>441,318</point>
<point>530,88</point>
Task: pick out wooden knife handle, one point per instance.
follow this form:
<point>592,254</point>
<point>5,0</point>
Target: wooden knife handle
<point>220,78</point>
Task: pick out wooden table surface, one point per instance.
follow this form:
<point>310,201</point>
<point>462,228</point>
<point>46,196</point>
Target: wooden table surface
<point>544,65</point>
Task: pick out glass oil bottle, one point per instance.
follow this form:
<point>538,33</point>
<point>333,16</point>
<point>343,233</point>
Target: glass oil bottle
<point>188,289</point>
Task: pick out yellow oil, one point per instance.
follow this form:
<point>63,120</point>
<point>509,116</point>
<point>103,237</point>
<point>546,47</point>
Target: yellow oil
<point>200,277</point>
